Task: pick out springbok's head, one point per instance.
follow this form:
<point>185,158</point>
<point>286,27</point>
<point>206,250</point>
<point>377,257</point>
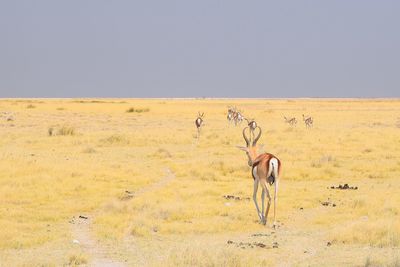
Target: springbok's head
<point>200,115</point>
<point>252,124</point>
<point>251,146</point>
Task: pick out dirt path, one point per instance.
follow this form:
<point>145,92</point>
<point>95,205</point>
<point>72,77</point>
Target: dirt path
<point>83,235</point>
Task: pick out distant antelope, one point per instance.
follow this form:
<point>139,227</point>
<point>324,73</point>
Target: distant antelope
<point>308,121</point>
<point>199,123</point>
<point>265,169</point>
<point>292,121</point>
<point>234,116</point>
<point>238,118</point>
<point>229,116</point>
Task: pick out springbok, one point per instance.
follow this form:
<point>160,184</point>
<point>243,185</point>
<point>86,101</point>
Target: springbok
<point>292,121</point>
<point>199,122</point>
<point>265,169</point>
<point>308,121</point>
<point>230,114</point>
<point>238,117</point>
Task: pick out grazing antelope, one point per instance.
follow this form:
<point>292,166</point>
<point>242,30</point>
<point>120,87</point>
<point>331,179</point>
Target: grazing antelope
<point>308,121</point>
<point>265,169</point>
<point>199,123</point>
<point>292,121</point>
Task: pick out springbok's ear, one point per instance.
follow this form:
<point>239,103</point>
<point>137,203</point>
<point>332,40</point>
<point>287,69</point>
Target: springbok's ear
<point>243,148</point>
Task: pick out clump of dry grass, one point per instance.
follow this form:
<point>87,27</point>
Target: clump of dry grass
<point>137,110</point>
<point>77,259</point>
<point>161,153</point>
<point>30,106</point>
<point>115,139</point>
<point>89,150</point>
<point>66,130</point>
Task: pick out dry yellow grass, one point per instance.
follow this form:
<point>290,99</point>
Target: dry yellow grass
<point>154,194</point>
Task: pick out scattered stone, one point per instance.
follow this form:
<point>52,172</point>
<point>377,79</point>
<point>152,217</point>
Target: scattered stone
<point>235,197</point>
<point>261,245</point>
<point>328,244</point>
<point>301,208</point>
<point>83,217</point>
<point>259,234</point>
<point>72,220</point>
<point>128,195</point>
<point>344,187</point>
<point>75,241</point>
<point>244,245</point>
<point>328,203</point>
<point>275,245</point>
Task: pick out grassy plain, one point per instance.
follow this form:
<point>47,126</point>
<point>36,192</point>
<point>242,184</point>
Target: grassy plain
<point>62,158</point>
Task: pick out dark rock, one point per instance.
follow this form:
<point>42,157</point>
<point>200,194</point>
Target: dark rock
<point>261,245</point>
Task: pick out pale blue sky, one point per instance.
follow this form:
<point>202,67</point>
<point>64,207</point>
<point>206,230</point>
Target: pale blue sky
<point>100,48</point>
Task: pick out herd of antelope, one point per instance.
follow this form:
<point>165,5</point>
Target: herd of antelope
<point>265,167</point>
<point>308,121</point>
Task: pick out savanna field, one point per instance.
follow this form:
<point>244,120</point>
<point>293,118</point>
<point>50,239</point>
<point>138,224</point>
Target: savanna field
<point>125,182</point>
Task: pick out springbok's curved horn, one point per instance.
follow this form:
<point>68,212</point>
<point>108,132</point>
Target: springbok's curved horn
<point>245,138</point>
<point>258,136</point>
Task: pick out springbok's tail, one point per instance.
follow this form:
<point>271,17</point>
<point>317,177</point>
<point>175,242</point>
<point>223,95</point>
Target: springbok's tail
<point>274,166</point>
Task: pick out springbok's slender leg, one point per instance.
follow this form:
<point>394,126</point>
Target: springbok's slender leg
<point>275,199</point>
<point>265,188</point>
<point>262,205</point>
<point>255,198</point>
